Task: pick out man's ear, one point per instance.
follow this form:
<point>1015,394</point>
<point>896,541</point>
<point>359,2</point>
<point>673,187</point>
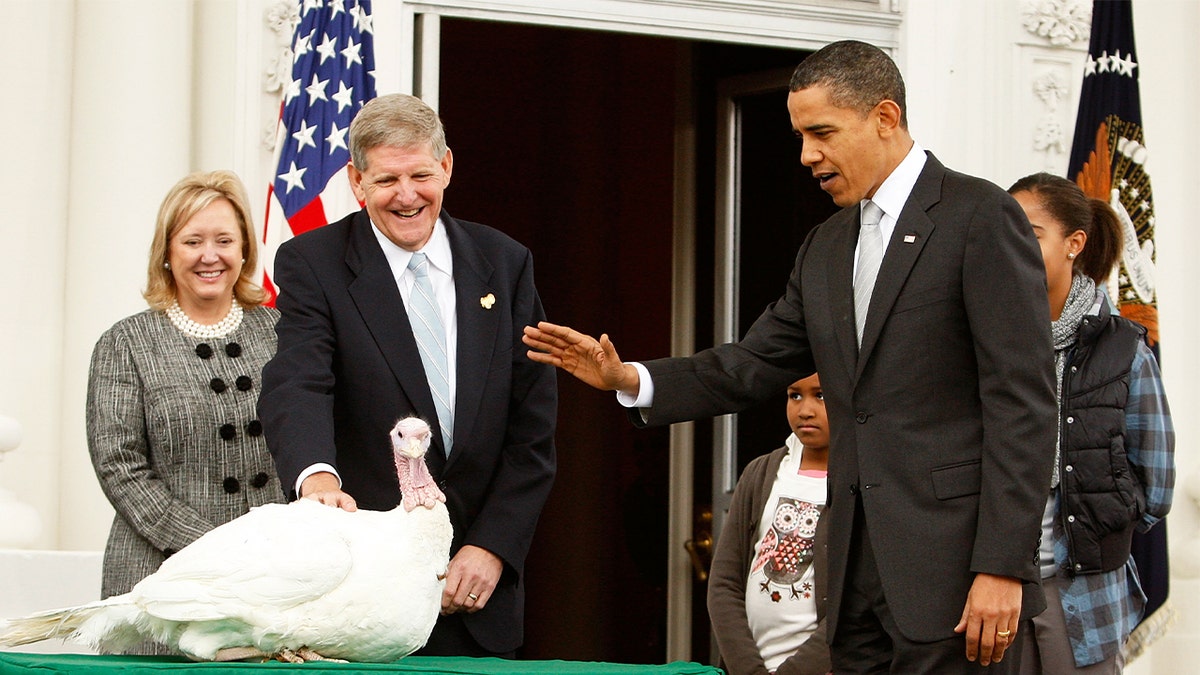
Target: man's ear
<point>356,181</point>
<point>887,115</point>
<point>447,166</point>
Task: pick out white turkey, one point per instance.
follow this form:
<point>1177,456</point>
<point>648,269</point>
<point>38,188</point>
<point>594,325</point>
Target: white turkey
<point>299,581</point>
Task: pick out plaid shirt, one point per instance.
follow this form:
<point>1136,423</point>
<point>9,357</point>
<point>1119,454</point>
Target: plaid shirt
<point>1102,609</point>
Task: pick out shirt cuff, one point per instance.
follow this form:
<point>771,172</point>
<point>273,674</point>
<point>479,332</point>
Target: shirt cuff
<point>645,395</point>
<point>315,468</point>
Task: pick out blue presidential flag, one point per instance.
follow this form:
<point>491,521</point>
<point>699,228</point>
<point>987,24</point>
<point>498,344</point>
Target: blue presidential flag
<point>1108,155</point>
<point>1108,160</point>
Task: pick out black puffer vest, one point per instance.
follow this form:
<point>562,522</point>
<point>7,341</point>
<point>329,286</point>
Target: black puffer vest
<point>1101,497</point>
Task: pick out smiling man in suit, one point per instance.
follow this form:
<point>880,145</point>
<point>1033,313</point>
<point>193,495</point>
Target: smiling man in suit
<point>401,310</point>
<point>928,326</point>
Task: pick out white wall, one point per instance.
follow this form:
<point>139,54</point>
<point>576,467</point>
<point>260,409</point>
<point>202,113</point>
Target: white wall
<point>70,578</point>
<point>114,100</point>
<point>34,195</point>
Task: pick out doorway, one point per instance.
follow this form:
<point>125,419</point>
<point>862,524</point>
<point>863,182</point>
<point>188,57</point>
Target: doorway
<point>566,139</point>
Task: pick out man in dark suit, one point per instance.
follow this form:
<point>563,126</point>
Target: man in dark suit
<point>937,381</point>
<point>358,330</point>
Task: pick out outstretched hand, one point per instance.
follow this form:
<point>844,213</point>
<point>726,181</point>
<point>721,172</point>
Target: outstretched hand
<point>593,361</point>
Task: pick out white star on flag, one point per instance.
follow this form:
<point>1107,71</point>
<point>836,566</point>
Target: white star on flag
<point>303,46</point>
<point>304,136</point>
<point>344,96</point>
<point>336,138</point>
<point>351,54</point>
<point>316,90</point>
<point>327,49</point>
<point>293,177</point>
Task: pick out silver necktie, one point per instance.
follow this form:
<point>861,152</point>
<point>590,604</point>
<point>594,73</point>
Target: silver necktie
<point>430,333</point>
<point>870,255</point>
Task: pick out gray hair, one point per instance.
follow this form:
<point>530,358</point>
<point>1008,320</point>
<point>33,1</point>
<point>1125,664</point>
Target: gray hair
<point>395,120</point>
<point>858,76</point>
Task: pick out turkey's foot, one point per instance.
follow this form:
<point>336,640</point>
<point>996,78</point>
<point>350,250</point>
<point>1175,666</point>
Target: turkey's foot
<point>241,654</point>
<point>303,655</point>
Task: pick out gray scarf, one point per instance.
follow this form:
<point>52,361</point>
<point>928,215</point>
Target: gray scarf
<point>1063,331</point>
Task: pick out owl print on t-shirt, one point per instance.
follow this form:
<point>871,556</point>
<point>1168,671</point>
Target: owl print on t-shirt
<point>785,554</point>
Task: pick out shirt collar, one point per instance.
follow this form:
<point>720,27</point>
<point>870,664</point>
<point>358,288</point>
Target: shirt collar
<point>437,250</point>
<point>894,192</point>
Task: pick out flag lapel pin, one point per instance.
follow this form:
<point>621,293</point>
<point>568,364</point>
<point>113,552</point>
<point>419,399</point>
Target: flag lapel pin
<point>910,238</point>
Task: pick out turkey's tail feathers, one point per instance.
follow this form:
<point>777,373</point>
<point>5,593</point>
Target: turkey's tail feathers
<point>57,623</point>
<point>101,625</point>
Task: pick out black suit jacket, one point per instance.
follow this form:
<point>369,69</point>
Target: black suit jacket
<point>347,369</point>
<point>942,424</point>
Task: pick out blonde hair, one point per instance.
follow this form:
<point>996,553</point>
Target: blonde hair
<point>187,198</point>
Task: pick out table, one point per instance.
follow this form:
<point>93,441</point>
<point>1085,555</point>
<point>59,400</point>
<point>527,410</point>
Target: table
<point>14,663</point>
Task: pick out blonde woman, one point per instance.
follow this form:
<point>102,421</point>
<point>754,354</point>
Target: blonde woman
<point>171,423</point>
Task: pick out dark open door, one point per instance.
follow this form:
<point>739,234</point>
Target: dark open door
<point>567,140</point>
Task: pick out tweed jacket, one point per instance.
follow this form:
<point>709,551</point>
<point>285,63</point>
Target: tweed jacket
<point>173,436</point>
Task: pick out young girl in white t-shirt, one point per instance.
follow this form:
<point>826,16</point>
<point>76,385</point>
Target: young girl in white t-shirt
<point>763,599</point>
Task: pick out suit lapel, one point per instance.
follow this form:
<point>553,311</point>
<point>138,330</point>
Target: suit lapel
<point>378,301</point>
<point>478,321</point>
<point>913,229</point>
<point>839,276</point>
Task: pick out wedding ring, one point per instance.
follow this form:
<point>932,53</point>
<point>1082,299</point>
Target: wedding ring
<point>472,596</point>
<point>1003,633</point>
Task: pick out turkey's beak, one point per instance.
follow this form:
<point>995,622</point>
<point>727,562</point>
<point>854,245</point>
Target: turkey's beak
<point>414,448</point>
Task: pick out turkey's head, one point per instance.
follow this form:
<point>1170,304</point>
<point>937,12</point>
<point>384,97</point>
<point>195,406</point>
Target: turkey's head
<point>410,440</point>
<point>410,437</point>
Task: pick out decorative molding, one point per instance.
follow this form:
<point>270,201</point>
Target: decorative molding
<point>1049,136</point>
<point>1062,22</point>
<point>281,17</point>
<point>778,23</point>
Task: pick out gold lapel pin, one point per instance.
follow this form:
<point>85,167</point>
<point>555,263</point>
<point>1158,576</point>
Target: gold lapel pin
<point>487,301</point>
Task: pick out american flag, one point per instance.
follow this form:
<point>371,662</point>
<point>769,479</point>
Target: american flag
<point>332,77</point>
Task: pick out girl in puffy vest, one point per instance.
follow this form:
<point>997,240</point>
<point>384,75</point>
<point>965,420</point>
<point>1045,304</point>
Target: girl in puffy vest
<point>1115,467</point>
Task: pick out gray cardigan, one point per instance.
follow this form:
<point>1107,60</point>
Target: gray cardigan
<point>174,437</point>
<point>727,580</point>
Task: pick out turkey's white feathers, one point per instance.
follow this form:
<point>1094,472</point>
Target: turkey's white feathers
<point>360,586</point>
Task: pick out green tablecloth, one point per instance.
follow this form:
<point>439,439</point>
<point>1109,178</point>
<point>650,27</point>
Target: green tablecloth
<point>12,663</point>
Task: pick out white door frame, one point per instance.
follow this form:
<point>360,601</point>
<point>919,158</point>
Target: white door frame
<point>407,48</point>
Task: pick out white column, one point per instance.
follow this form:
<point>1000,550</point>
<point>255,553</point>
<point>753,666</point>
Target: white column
<point>34,191</point>
<point>130,131</point>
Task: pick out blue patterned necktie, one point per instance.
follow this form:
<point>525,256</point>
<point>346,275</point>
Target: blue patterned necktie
<point>428,329</point>
<point>870,255</point>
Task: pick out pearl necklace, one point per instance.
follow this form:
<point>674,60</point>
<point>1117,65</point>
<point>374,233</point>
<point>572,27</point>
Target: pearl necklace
<point>198,330</point>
